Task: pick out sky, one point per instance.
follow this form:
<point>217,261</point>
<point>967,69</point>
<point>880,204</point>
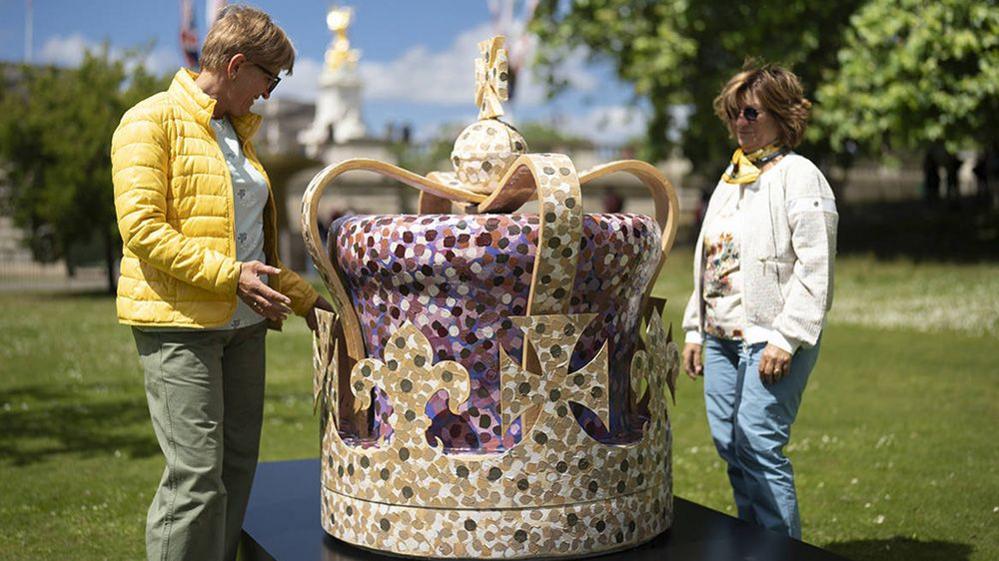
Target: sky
<point>416,58</point>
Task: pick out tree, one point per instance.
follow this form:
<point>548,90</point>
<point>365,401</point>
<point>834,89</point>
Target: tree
<point>678,52</point>
<point>55,139</point>
<point>915,74</point>
<point>542,137</point>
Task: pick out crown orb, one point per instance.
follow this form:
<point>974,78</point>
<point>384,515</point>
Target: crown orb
<point>483,153</point>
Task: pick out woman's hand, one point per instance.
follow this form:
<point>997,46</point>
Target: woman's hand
<point>310,319</point>
<point>692,360</point>
<point>258,296</point>
<point>775,363</point>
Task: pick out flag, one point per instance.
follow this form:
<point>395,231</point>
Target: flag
<point>188,33</point>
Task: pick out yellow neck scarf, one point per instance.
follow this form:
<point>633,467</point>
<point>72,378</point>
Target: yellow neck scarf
<point>744,167</point>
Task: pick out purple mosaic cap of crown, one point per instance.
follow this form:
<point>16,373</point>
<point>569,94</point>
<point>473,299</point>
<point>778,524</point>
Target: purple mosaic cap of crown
<point>459,278</point>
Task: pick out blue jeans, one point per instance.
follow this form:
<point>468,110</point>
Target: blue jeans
<point>750,423</point>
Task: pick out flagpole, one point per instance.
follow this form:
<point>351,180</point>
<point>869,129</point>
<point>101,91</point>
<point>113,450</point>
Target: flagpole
<point>28,31</point>
<point>212,9</point>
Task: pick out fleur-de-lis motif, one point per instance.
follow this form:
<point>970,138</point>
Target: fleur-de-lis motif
<point>492,78</point>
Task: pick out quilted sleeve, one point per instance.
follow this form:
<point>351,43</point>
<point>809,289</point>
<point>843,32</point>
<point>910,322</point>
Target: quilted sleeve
<point>303,296</point>
<point>139,154</point>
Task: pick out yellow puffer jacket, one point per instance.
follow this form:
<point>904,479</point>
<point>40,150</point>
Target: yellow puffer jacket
<point>173,195</point>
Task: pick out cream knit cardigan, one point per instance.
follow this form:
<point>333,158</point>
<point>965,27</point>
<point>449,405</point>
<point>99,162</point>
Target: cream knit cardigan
<point>787,251</point>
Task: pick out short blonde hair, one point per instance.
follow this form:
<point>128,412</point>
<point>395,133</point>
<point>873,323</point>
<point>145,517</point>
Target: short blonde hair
<point>779,92</point>
<point>244,29</point>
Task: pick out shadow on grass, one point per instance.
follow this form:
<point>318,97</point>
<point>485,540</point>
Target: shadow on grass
<point>58,421</point>
<point>900,547</point>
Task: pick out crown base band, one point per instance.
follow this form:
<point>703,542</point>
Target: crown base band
<point>573,530</point>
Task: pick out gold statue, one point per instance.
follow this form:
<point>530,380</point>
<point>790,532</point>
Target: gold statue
<point>338,19</point>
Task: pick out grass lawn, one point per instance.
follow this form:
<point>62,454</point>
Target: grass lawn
<point>893,449</point>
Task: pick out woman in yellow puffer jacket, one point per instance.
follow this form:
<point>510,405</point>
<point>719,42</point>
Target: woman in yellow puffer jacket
<point>201,280</point>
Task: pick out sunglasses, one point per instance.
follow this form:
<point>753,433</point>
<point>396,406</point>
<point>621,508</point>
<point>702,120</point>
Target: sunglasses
<point>273,79</point>
<point>749,112</point>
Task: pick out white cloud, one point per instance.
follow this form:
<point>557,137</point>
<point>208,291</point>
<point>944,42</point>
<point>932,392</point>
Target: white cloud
<point>65,51</point>
<point>448,78</point>
<point>420,76</point>
<point>162,61</point>
<point>609,124</point>
<point>68,51</point>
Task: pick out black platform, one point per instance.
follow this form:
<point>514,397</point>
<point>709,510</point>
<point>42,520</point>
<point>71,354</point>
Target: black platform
<point>282,524</point>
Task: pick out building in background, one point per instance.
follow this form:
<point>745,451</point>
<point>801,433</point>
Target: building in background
<point>328,131</point>
<point>338,107</point>
<point>283,120</point>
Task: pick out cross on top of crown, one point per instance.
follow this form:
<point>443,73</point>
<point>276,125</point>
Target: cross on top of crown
<point>491,78</point>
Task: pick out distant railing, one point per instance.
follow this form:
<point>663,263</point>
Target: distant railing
<point>20,272</point>
<point>18,275</point>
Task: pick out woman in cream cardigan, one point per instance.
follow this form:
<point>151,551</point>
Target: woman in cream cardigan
<point>763,278</point>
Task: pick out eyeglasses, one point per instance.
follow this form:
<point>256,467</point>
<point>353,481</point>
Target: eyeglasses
<point>749,112</point>
<point>274,80</point>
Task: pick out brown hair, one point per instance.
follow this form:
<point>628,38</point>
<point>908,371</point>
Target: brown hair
<point>244,29</point>
<point>779,92</point>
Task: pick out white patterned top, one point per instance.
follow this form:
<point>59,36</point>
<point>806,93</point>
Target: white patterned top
<point>724,316</point>
<point>249,195</point>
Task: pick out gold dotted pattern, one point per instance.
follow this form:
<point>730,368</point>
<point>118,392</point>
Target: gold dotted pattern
<point>663,357</point>
<point>483,152</point>
<point>522,389</point>
<point>324,365</point>
<point>558,239</point>
<point>673,368</point>
<point>555,467</point>
<point>492,78</point>
<point>572,530</point>
<point>311,242</point>
<point>448,178</point>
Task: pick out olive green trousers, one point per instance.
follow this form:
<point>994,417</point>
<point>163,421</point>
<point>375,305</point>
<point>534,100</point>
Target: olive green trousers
<point>206,395</point>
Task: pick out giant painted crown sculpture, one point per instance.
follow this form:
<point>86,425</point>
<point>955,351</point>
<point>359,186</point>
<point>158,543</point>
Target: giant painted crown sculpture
<point>484,387</point>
